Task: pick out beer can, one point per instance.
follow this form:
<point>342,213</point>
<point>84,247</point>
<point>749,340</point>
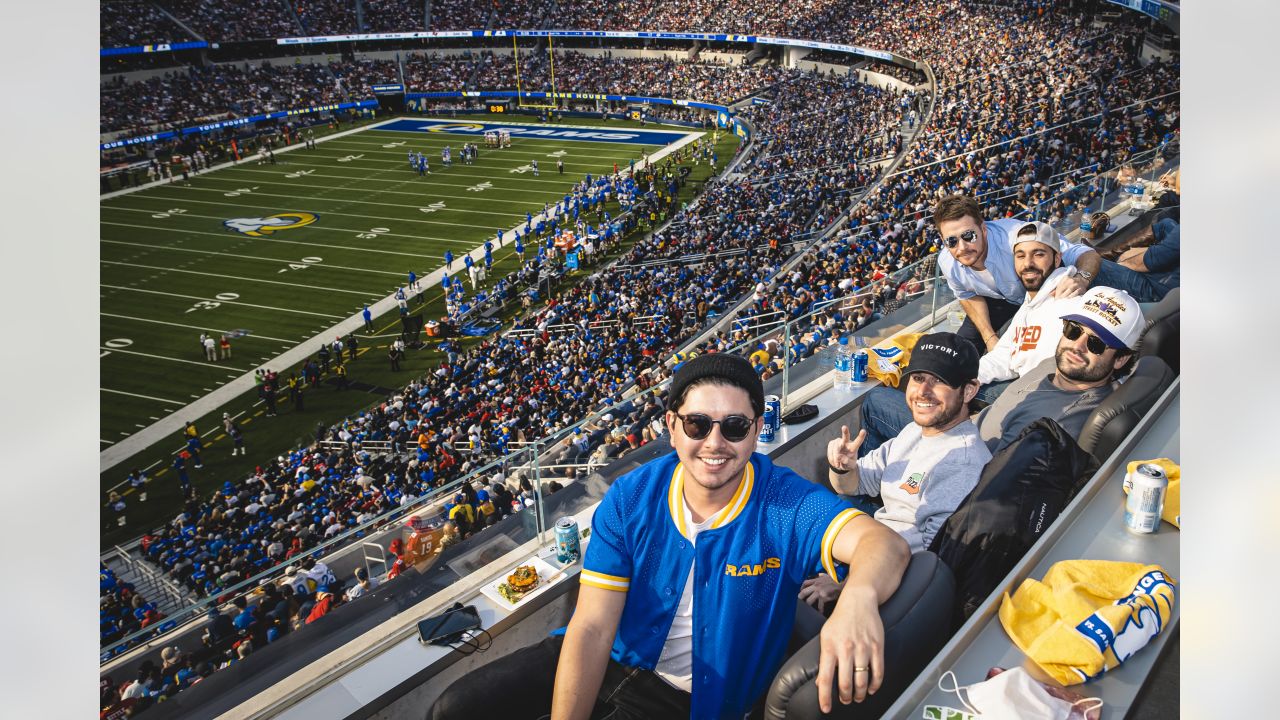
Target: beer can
<point>1145,503</point>
<point>568,541</point>
<point>767,430</point>
<point>774,403</point>
<point>859,372</point>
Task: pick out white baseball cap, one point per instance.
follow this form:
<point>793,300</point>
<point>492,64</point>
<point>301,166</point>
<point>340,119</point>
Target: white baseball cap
<point>1113,314</point>
<point>1045,235</point>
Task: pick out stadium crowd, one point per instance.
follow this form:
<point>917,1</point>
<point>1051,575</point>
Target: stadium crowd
<point>1023,123</point>
<point>226,21</point>
<point>394,15</point>
<point>188,95</point>
<point>578,72</point>
<point>460,15</point>
<point>136,23</point>
<point>184,97</point>
<point>326,17</point>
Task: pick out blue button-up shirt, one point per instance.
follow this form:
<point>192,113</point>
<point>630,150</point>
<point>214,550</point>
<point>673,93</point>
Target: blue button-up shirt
<point>967,283</point>
<point>777,529</point>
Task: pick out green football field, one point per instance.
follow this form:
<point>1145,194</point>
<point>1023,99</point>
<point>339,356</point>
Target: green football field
<point>356,220</point>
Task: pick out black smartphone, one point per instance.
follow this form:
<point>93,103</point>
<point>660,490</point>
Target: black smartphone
<point>447,627</point>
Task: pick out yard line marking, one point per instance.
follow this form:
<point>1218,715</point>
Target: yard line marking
<point>414,206</point>
<point>248,257</point>
<point>237,238</point>
<point>192,327</point>
<point>144,397</point>
<point>362,293</point>
<point>313,228</point>
<point>524,180</point>
<point>416,181</point>
<point>226,302</point>
<point>172,359</point>
<point>109,442</point>
<point>168,199</point>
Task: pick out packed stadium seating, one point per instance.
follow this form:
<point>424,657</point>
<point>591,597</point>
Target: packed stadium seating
<point>1083,90</point>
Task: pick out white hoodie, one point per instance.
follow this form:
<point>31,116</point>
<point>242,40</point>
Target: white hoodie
<point>1032,336</point>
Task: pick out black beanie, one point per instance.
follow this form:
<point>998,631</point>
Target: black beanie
<point>733,369</point>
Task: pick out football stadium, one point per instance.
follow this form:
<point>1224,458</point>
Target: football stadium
<point>712,358</point>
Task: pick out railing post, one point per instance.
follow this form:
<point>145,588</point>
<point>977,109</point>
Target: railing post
<point>786,365</point>
<point>933,304</point>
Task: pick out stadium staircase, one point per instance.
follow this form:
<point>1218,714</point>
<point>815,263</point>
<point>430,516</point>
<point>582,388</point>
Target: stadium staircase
<point>189,30</point>
<point>360,24</point>
<point>148,581</point>
<point>426,14</point>
<point>297,19</point>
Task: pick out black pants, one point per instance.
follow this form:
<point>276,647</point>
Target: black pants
<point>519,687</point>
<point>1000,312</point>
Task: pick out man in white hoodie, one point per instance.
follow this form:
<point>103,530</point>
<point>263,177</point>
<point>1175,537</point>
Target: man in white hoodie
<point>1035,329</point>
<point>1030,339</point>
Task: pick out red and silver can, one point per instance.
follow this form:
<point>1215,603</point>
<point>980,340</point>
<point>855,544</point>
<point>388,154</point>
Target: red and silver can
<point>1145,503</point>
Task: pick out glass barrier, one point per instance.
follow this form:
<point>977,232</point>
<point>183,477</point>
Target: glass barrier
<point>786,341</point>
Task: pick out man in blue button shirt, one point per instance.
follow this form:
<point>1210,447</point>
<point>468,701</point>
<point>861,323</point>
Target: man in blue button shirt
<point>689,583</point>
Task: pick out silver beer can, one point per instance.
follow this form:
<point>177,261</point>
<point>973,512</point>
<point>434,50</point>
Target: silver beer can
<point>1145,502</point>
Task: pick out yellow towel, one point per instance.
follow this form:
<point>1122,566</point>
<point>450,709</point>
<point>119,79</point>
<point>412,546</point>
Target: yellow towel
<point>1173,498</point>
<point>885,362</point>
<point>1088,616</point>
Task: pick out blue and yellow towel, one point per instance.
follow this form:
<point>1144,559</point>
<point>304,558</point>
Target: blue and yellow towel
<point>1088,616</point>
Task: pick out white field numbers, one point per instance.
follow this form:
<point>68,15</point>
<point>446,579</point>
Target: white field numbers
<point>349,158</point>
<point>168,213</point>
<point>114,344</point>
<point>302,264</point>
<point>373,233</point>
<point>239,191</point>
<point>481,187</point>
<point>433,207</point>
<point>211,304</point>
<point>298,174</point>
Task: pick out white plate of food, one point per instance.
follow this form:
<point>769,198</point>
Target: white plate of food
<point>521,582</point>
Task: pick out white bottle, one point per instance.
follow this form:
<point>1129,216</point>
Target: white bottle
<point>843,366</point>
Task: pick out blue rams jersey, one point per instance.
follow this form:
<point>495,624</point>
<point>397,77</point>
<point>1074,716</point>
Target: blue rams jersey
<point>777,529</point>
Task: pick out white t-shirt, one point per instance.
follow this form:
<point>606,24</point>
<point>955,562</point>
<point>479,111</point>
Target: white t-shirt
<point>675,664</point>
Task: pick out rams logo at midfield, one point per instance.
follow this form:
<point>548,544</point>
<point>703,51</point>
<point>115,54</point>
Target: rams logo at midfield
<point>263,226</point>
<point>455,127</point>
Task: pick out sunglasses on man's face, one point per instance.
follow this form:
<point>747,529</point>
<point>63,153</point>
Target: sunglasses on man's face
<point>969,236</point>
<point>734,428</point>
<point>1071,330</point>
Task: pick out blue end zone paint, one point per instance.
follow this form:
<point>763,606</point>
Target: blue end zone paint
<point>478,129</point>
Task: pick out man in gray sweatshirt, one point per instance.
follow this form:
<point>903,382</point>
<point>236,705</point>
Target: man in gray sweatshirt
<point>924,472</point>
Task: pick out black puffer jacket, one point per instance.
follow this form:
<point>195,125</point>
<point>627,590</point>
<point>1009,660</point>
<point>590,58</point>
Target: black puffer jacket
<point>1021,492</point>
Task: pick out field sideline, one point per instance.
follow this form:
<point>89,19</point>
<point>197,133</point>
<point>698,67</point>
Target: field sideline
<point>172,269</point>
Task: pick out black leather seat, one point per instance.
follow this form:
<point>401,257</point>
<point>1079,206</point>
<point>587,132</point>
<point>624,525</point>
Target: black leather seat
<point>916,625</point>
<point>1119,414</point>
<point>1163,335</point>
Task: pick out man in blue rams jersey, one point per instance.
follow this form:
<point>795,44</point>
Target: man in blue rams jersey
<point>689,584</point>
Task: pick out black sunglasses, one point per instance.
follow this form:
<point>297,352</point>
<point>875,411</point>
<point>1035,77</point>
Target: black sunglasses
<point>734,428</point>
<point>1071,330</point>
<point>969,236</point>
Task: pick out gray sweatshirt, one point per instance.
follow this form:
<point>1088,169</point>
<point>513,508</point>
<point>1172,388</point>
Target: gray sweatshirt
<point>922,479</point>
